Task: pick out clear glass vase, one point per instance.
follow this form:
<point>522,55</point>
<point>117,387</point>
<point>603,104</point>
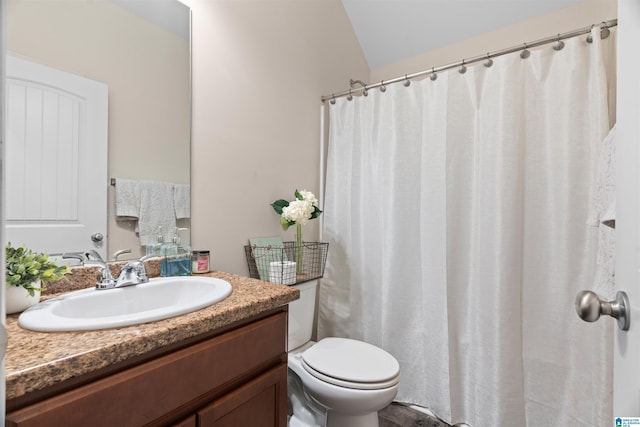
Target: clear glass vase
<point>298,249</point>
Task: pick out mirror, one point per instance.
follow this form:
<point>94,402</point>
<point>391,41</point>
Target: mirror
<point>141,50</point>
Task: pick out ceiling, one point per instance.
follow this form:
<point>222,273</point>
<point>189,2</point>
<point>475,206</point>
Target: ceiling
<point>393,30</point>
<point>172,15</point>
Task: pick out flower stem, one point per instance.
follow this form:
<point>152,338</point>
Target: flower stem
<point>298,249</point>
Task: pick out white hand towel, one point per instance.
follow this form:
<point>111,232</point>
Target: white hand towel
<point>127,198</point>
<point>182,200</point>
<point>156,210</point>
<point>603,216</point>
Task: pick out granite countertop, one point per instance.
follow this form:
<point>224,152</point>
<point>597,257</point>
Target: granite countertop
<point>36,360</point>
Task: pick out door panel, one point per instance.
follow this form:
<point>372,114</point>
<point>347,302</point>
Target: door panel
<point>626,396</point>
<point>56,166</point>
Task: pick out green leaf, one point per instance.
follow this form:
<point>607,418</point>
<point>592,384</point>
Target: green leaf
<point>285,223</point>
<point>48,273</point>
<point>278,205</point>
<point>316,212</point>
<point>298,195</point>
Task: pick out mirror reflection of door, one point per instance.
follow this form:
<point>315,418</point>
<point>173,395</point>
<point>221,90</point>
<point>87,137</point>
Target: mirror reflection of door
<point>146,64</point>
<point>55,169</point>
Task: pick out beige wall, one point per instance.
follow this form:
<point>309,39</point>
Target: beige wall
<point>147,70</point>
<point>579,15</point>
<point>259,69</point>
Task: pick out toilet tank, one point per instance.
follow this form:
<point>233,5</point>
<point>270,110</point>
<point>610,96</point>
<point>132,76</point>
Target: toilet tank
<point>301,313</point>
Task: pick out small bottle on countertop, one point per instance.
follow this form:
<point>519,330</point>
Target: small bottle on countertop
<point>200,262</point>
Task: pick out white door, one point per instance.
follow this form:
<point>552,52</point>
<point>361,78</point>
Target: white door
<point>626,397</point>
<point>56,159</point>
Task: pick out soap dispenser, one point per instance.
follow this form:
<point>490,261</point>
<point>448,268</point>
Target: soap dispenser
<point>155,249</point>
<point>176,259</point>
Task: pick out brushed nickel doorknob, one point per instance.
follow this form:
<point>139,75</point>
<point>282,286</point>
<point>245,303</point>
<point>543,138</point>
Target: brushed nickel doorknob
<point>589,307</point>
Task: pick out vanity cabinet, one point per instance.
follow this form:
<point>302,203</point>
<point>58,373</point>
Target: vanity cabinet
<point>236,378</point>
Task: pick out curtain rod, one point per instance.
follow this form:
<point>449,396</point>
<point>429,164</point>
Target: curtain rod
<point>604,29</point>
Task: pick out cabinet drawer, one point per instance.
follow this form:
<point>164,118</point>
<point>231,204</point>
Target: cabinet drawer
<point>262,402</point>
<point>147,392</point>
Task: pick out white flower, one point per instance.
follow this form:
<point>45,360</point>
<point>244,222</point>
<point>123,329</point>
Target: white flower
<point>308,196</point>
<point>298,211</point>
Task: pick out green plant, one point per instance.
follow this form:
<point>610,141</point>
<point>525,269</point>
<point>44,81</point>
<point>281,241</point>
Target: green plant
<point>23,267</point>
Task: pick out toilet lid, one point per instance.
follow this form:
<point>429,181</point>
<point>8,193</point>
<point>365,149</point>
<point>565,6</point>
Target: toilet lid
<point>350,363</point>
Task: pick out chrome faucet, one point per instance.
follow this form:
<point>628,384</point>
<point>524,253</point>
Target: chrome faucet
<point>133,273</point>
<point>105,279</point>
<point>93,258</point>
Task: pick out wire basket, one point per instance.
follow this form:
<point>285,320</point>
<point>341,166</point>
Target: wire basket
<point>281,264</point>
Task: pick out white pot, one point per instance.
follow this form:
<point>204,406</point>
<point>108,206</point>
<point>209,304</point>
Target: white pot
<point>17,298</point>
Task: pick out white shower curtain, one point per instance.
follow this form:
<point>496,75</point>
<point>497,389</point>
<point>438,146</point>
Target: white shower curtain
<point>456,215</point>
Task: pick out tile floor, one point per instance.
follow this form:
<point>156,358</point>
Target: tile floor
<point>400,415</point>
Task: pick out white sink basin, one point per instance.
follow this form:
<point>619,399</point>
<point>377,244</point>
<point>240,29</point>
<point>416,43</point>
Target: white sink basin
<point>91,309</point>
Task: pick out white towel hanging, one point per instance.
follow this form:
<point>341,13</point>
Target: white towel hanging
<point>152,204</point>
<point>182,200</point>
<point>127,198</point>
<point>156,210</point>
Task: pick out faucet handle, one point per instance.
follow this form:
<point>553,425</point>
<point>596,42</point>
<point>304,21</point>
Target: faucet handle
<point>105,279</point>
<point>141,269</point>
<point>116,254</point>
<point>133,273</point>
<point>146,257</point>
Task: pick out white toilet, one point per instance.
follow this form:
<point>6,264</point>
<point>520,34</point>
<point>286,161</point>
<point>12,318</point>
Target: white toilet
<point>341,380</point>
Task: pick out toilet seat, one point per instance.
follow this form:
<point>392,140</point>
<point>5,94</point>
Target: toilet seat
<point>352,364</point>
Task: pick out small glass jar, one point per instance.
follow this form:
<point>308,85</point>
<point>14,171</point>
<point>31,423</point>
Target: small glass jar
<point>200,262</point>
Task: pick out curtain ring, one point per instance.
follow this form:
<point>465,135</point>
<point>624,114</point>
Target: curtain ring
<point>590,36</point>
<point>383,88</point>
<point>349,97</point>
<point>433,75</point>
<point>604,31</point>
<point>333,99</point>
<point>489,62</point>
<point>525,52</point>
<point>559,44</point>
<point>365,92</point>
<point>463,68</point>
<point>407,82</point>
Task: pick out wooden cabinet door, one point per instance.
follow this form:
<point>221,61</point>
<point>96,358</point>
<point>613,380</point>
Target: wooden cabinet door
<point>261,402</point>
